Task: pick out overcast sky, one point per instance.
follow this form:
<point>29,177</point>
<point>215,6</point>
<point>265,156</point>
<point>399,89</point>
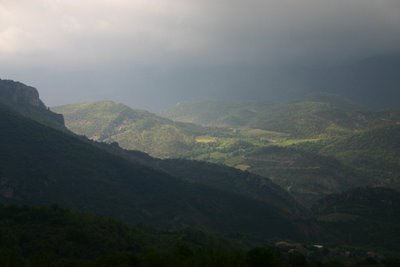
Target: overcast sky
<point>153,53</point>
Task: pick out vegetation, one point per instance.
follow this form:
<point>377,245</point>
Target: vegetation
<point>55,236</point>
<point>306,175</point>
<point>132,129</point>
<point>41,165</point>
<point>323,144</point>
<point>206,214</point>
<point>314,116</point>
<point>305,146</point>
<point>57,232</point>
<point>368,217</point>
<point>374,154</point>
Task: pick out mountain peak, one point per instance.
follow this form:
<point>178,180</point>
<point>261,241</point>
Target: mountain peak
<point>25,100</point>
<point>16,93</point>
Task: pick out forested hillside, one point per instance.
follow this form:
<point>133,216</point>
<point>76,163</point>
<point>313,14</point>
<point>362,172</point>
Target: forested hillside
<point>301,145</point>
<point>132,129</point>
<point>41,165</point>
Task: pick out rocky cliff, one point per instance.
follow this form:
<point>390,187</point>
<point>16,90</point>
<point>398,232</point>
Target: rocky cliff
<point>20,94</point>
<point>25,99</point>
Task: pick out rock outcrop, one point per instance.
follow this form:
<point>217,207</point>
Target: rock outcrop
<point>25,99</point>
<point>12,92</point>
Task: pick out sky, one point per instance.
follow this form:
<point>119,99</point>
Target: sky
<point>154,53</point>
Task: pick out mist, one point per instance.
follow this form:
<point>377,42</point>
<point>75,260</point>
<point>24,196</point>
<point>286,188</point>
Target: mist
<point>153,54</point>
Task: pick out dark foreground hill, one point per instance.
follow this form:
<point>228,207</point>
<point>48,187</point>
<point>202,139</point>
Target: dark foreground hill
<point>56,232</point>
<point>42,165</point>
<point>55,236</point>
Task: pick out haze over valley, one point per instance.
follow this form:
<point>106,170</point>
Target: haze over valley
<point>188,133</point>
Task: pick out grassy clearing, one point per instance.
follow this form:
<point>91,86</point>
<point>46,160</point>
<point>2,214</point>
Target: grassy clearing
<point>206,139</point>
<point>290,142</point>
<point>243,167</point>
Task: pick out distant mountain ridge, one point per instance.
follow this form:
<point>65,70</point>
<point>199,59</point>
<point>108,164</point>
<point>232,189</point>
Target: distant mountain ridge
<point>310,116</point>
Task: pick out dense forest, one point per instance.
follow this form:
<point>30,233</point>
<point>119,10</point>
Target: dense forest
<point>54,236</point>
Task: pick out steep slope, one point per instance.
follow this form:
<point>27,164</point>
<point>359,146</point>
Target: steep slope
<point>363,216</point>
<point>217,176</point>
<point>230,180</point>
<point>25,100</point>
<point>40,165</point>
<point>132,129</point>
<point>17,93</point>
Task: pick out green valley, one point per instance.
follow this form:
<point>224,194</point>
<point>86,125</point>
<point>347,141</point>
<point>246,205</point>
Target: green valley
<point>291,143</point>
<point>282,188</point>
<point>138,133</point>
<point>42,165</point>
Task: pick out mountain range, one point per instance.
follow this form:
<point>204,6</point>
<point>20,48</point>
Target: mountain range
<point>286,185</point>
<point>44,165</point>
<point>296,144</point>
<point>315,115</point>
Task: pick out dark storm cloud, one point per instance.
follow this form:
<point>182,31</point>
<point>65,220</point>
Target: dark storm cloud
<point>156,52</point>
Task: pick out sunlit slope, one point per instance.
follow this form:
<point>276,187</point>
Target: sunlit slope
<point>375,152</point>
<point>283,153</point>
<point>132,129</point>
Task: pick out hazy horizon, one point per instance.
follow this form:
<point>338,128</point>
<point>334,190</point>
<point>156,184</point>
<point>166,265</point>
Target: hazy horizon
<point>153,54</point>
